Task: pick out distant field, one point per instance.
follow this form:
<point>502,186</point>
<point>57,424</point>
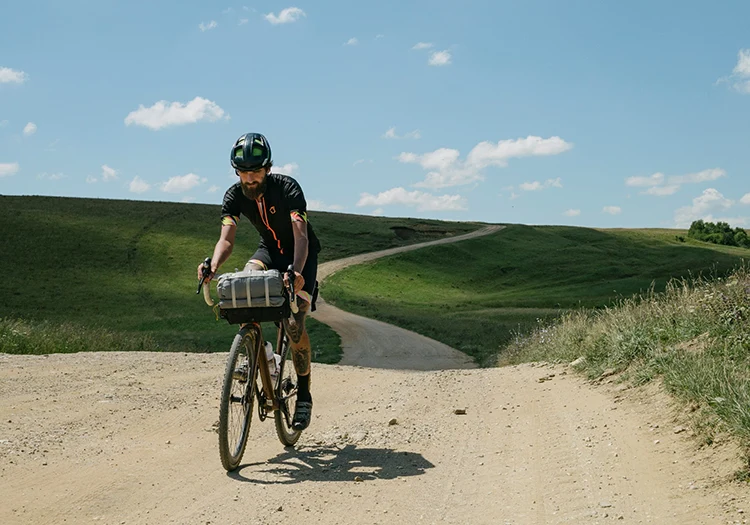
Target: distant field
<point>128,267</point>
<point>475,294</point>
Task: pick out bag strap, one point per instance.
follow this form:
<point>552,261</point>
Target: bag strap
<point>268,299</point>
<point>247,288</point>
<point>234,295</point>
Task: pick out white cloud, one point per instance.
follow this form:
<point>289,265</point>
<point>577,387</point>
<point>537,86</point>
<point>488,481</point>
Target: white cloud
<point>108,173</point>
<point>572,213</point>
<point>745,198</point>
<point>187,199</point>
<point>213,189</point>
<point>703,207</point>
<point>29,129</point>
<point>164,114</point>
<point>659,185</point>
<point>288,15</point>
<point>179,184</point>
<point>422,45</point>
<point>362,161</point>
<point>287,169</point>
<point>138,185</point>
<point>90,179</point>
<point>536,185</point>
<point>205,27</point>
<point>612,210</point>
<point>701,176</point>
<point>379,36</point>
<point>50,176</point>
<point>322,206</point>
<point>661,191</point>
<point>740,77</point>
<point>8,76</point>
<point>377,211</point>
<point>447,170</point>
<point>440,58</point>
<point>653,180</point>
<point>4,123</point>
<point>420,200</point>
<point>391,134</point>
<point>9,168</point>
<point>351,42</point>
<point>488,154</point>
<point>228,11</point>
<point>242,21</point>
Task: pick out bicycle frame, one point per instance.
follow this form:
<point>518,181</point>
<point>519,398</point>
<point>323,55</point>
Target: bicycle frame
<point>272,393</point>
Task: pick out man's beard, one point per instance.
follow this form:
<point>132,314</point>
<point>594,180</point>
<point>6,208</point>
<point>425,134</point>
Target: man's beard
<point>254,191</point>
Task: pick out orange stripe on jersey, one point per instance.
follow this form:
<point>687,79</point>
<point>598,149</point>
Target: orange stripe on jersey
<point>264,219</point>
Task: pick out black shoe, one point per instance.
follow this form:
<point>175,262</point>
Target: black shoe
<point>302,414</point>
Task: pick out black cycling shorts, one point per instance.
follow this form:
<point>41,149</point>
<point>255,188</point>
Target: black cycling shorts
<point>282,262</point>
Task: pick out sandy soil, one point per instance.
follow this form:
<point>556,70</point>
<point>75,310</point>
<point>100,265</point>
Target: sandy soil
<point>130,438</point>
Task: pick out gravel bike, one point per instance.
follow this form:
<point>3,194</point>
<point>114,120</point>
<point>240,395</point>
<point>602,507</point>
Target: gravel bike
<point>246,362</point>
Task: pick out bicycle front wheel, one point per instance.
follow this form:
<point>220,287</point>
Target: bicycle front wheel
<point>237,398</point>
<point>286,394</point>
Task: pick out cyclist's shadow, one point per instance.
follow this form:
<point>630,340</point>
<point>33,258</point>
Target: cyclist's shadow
<point>329,463</point>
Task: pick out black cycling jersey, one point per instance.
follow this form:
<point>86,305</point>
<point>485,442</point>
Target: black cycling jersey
<point>272,215</point>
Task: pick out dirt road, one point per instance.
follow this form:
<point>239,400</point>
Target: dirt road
<point>128,438</point>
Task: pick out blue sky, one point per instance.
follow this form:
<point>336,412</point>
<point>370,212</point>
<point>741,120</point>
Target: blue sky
<point>590,113</point>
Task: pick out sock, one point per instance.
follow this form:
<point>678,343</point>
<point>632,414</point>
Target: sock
<point>303,388</point>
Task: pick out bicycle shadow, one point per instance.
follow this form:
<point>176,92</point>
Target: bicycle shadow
<point>326,463</point>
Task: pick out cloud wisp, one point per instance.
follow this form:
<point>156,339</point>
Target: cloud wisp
<point>164,114</point>
<point>422,201</point>
<point>739,80</point>
<point>446,170</point>
<point>391,134</point>
<point>12,76</point>
<point>660,185</point>
<point>286,16</point>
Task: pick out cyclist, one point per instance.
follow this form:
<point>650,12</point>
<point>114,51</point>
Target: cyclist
<point>276,206</point>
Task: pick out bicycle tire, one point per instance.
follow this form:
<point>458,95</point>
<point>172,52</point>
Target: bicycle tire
<point>240,377</point>
<point>286,395</point>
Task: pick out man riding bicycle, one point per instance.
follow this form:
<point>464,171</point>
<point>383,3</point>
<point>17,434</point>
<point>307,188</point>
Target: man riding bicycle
<point>276,206</point>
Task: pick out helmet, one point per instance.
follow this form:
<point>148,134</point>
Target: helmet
<point>250,152</point>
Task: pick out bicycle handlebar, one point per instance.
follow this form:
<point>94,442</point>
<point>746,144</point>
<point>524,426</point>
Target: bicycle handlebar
<point>206,271</point>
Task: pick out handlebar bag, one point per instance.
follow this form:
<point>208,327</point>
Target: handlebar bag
<point>251,289</point>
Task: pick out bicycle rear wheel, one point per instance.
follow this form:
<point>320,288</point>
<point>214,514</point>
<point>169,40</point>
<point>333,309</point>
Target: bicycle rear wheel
<point>237,398</point>
<point>286,393</point>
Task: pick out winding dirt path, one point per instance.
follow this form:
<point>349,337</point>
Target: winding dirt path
<point>371,343</point>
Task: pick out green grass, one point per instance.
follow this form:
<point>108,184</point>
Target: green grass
<point>127,268</point>
<point>475,294</point>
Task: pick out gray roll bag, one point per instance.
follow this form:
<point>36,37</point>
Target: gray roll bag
<point>251,288</point>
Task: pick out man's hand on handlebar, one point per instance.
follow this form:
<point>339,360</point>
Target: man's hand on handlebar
<point>298,283</point>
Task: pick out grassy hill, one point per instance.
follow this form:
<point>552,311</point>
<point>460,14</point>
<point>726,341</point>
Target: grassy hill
<point>476,294</point>
<point>115,268</point>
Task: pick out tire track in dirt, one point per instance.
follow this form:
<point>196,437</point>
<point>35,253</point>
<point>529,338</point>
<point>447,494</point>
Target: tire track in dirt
<point>375,344</point>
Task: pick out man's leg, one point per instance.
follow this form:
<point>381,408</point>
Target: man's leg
<point>299,343</point>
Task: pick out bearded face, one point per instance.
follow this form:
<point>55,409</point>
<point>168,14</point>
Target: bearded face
<point>253,183</point>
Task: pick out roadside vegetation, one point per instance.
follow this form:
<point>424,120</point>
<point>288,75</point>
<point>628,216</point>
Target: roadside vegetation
<point>94,274</point>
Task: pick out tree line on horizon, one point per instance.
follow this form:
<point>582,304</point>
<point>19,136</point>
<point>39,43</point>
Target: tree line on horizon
<point>719,233</point>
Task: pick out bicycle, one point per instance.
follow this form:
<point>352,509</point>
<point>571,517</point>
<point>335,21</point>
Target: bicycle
<point>246,361</point>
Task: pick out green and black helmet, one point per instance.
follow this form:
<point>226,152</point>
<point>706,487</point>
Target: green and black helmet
<point>250,152</point>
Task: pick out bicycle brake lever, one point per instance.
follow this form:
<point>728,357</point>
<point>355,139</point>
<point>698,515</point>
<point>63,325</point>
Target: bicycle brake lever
<point>205,271</point>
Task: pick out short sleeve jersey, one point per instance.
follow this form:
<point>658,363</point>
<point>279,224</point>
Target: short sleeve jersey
<point>272,215</point>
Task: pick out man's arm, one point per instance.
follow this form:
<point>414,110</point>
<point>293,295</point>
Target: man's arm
<point>223,248</point>
<point>299,227</point>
